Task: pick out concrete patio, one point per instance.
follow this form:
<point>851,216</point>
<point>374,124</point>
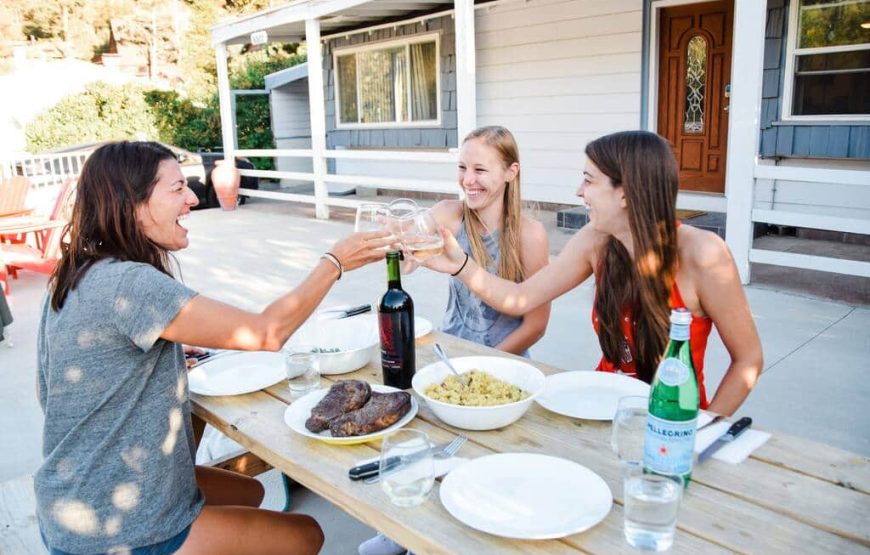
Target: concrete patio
<point>816,350</point>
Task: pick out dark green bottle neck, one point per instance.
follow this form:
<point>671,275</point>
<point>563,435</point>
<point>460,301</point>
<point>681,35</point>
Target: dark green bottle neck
<point>394,280</point>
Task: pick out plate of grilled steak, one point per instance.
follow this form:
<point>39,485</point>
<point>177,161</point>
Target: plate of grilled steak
<point>350,412</point>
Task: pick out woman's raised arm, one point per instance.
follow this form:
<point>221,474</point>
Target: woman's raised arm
<point>210,323</point>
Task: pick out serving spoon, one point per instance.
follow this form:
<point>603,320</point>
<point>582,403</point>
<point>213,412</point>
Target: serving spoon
<point>443,356</point>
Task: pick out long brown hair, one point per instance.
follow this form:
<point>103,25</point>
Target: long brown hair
<point>510,265</point>
<point>115,179</point>
<point>644,166</point>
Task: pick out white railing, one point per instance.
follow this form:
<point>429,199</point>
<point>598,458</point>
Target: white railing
<point>395,183</point>
<point>811,220</point>
<point>46,170</point>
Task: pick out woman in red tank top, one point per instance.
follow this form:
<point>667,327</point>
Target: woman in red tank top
<point>644,264</point>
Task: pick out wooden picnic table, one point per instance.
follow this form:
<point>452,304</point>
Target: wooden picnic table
<point>791,496</point>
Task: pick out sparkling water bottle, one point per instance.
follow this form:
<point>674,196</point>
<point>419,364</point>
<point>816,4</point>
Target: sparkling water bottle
<point>673,406</point>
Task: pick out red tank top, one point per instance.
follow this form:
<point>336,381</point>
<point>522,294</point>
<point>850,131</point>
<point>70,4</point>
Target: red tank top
<point>699,332</point>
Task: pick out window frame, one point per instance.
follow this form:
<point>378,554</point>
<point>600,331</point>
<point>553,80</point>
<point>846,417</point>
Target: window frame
<point>791,54</point>
<point>405,42</point>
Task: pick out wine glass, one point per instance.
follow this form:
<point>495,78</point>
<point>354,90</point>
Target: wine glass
<point>422,239</point>
<point>371,217</point>
<point>629,429</point>
<point>401,215</point>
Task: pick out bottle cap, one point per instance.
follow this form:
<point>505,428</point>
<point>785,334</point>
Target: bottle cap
<point>681,317</point>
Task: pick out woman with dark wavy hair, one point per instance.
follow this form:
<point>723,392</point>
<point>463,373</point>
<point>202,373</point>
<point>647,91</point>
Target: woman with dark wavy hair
<point>119,473</point>
<point>644,264</point>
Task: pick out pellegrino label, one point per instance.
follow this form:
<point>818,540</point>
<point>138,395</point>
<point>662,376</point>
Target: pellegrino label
<point>668,447</point>
<point>672,372</point>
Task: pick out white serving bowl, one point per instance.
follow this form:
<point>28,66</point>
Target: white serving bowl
<point>516,372</point>
<point>356,339</point>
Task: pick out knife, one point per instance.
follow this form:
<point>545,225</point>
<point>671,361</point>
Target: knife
<point>733,433</point>
<point>373,468</point>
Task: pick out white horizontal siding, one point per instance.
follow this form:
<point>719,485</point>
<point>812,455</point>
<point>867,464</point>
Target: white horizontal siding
<point>558,74</point>
<point>290,110</point>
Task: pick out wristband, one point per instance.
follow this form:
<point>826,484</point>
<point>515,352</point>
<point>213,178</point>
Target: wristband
<point>334,259</point>
<point>461,267</point>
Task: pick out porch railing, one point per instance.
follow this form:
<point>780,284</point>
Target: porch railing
<point>45,170</point>
<point>811,220</point>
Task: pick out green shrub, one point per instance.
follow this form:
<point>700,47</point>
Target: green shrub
<point>101,113</point>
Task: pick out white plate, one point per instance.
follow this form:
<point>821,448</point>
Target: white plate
<point>237,373</point>
<point>526,496</point>
<point>589,395</point>
<point>300,410</point>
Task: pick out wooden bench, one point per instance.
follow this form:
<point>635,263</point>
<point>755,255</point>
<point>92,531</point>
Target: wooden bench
<point>19,534</point>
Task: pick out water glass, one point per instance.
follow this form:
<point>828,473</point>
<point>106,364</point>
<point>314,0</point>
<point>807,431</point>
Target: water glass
<point>629,429</point>
<point>371,217</point>
<point>651,505</point>
<point>303,370</point>
<point>407,485</point>
<point>422,240</point>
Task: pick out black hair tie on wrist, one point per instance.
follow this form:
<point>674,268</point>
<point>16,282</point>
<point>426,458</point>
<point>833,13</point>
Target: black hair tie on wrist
<point>461,267</point>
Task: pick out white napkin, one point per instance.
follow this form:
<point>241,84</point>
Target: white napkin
<point>738,450</point>
<point>442,466</point>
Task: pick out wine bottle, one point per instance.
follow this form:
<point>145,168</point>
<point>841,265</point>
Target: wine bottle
<point>396,321</point>
<point>674,400</point>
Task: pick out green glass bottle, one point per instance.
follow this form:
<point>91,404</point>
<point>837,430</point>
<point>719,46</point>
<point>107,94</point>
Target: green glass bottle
<point>396,320</point>
<point>674,401</point>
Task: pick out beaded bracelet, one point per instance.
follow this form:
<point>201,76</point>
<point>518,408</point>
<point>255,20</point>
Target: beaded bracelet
<point>334,259</point>
<point>461,267</point>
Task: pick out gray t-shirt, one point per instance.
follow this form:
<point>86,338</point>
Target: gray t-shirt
<point>117,440</point>
<point>467,316</point>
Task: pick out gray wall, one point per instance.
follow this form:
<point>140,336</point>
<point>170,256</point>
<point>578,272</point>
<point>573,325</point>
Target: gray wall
<point>803,140</point>
<point>425,137</point>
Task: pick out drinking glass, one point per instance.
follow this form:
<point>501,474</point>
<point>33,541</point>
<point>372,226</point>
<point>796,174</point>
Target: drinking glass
<point>422,240</point>
<point>651,505</point>
<point>629,429</point>
<point>409,484</point>
<point>371,217</point>
<point>401,216</point>
<point>303,370</point>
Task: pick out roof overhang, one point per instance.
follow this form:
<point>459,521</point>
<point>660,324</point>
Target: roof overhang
<point>287,23</point>
<point>287,75</point>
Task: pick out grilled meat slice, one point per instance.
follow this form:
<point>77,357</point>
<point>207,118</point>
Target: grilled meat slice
<point>344,396</point>
<point>382,410</point>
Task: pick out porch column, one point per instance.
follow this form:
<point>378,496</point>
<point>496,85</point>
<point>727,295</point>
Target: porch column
<point>466,85</point>
<point>228,119</point>
<point>317,113</point>
<point>750,17</point>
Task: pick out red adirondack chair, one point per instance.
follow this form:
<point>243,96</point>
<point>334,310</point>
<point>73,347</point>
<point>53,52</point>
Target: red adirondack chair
<point>43,251</point>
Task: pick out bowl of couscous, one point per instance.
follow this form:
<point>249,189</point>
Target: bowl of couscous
<point>493,391</point>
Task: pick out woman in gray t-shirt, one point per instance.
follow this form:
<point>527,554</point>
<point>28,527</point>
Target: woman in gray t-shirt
<point>119,471</point>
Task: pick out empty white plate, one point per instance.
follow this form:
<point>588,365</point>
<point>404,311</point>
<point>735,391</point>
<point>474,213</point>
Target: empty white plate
<point>237,373</point>
<point>589,395</point>
<point>526,496</point>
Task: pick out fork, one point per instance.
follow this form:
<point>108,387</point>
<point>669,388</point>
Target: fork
<point>442,452</point>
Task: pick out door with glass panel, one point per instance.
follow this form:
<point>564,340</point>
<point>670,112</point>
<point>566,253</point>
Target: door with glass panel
<point>694,73</point>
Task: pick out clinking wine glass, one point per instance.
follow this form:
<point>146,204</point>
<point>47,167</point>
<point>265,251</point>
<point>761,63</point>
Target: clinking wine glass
<point>422,239</point>
<point>401,216</point>
<point>371,217</point>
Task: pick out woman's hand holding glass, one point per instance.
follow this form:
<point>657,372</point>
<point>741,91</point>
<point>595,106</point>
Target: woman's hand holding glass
<point>451,257</point>
<point>421,239</point>
<point>361,248</point>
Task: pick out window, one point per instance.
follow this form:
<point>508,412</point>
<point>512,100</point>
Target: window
<point>829,59</point>
<point>389,84</point>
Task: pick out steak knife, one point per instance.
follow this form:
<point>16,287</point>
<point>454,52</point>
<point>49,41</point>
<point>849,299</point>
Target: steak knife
<point>733,433</point>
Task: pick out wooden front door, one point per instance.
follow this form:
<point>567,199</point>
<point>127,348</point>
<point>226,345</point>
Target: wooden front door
<point>694,76</point>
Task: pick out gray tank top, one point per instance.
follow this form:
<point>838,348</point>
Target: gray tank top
<point>469,317</point>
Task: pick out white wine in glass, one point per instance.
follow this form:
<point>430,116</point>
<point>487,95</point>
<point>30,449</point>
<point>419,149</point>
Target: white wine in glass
<point>422,240</point>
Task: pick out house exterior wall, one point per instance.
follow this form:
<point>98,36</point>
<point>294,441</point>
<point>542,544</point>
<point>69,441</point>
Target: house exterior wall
<point>291,123</point>
<point>836,145</point>
<point>788,139</point>
<point>557,74</point>
<point>442,137</point>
